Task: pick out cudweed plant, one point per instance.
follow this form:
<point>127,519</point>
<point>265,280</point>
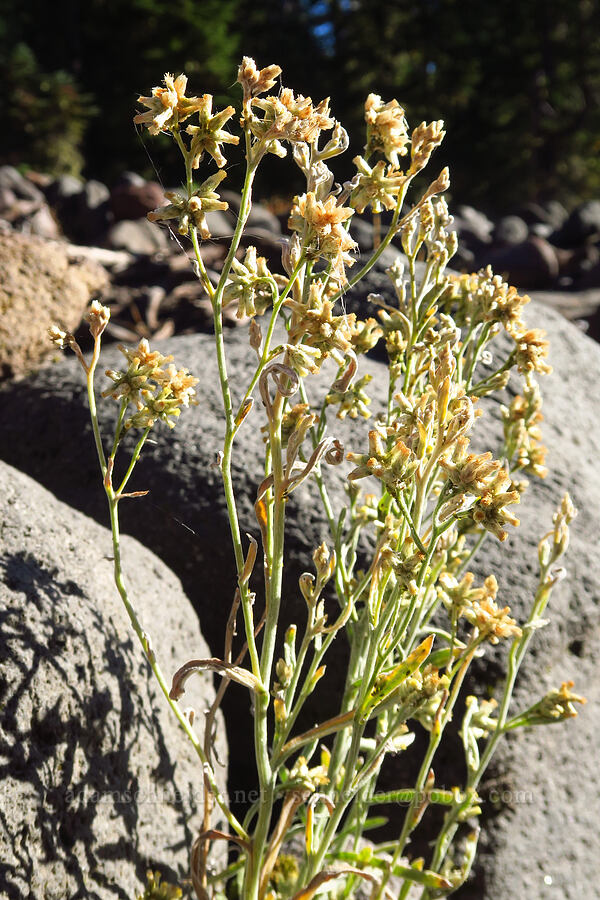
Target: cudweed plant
<point>412,613</point>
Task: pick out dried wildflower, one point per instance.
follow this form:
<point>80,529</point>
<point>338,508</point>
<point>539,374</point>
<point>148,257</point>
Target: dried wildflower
<point>65,340</point>
<point>179,383</point>
<point>456,595</point>
<point>485,296</point>
<point>490,512</point>
<point>396,330</point>
<point>320,216</point>
<point>326,237</point>
<point>209,134</point>
<point>250,284</point>
<point>337,143</point>
<point>406,569</point>
<point>319,327</point>
<point>292,118</point>
<point>311,779</point>
<point>62,339</point>
<point>365,335</point>
<point>491,621</point>
<point>425,138</point>
<point>255,81</point>
<point>377,187</point>
<point>97,317</point>
<point>421,693</point>
<point>480,718</point>
<point>353,402</point>
<point>192,212</point>
<point>522,434</point>
<point>475,473</point>
<point>303,359</point>
<point>393,466</point>
<point>291,419</point>
<point>168,105</point>
<point>387,131</point>
<point>549,553</point>
<point>157,393</point>
<point>459,596</point>
<point>531,350</point>
<point>143,365</point>
<point>556,706</point>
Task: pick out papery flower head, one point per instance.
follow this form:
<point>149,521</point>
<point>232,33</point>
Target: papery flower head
<point>209,134</point>
<point>155,387</point>
<point>377,187</point>
<point>168,105</point>
<point>326,237</point>
<point>556,706</point>
<point>250,283</point>
<point>530,351</point>
<point>425,138</point>
<point>192,211</point>
<point>492,622</point>
<point>97,317</point>
<point>394,466</point>
<point>255,81</point>
<point>387,131</point>
<point>316,324</point>
<point>290,117</point>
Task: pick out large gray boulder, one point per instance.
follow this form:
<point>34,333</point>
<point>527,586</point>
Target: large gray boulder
<point>184,520</point>
<point>99,782</point>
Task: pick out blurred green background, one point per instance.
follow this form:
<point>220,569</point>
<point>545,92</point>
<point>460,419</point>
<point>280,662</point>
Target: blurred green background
<point>516,81</point>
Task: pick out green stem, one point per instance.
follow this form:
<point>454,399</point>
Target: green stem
<point>133,617</point>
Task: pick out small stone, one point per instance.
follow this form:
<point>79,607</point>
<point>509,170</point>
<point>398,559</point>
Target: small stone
<point>510,230</point>
<point>532,264</point>
<point>135,201</point>
<point>137,236</point>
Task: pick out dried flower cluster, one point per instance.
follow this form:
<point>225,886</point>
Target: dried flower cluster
<point>393,573</point>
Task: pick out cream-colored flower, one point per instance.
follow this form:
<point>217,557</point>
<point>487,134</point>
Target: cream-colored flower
<point>250,283</point>
<point>393,466</point>
<point>97,318</point>
<point>288,117</point>
<point>316,325</point>
<point>153,385</point>
<point>377,187</point>
<point>255,81</point>
<point>168,105</point>
<point>193,211</point>
<point>531,350</point>
<point>353,402</point>
<point>209,134</point>
<point>327,238</point>
<point>387,131</point>
<point>425,138</point>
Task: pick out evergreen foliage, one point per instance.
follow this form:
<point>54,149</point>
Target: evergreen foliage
<point>518,81</point>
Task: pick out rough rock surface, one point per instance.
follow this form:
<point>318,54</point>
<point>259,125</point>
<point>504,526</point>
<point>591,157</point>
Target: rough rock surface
<point>39,286</point>
<point>184,519</point>
<point>98,781</point>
